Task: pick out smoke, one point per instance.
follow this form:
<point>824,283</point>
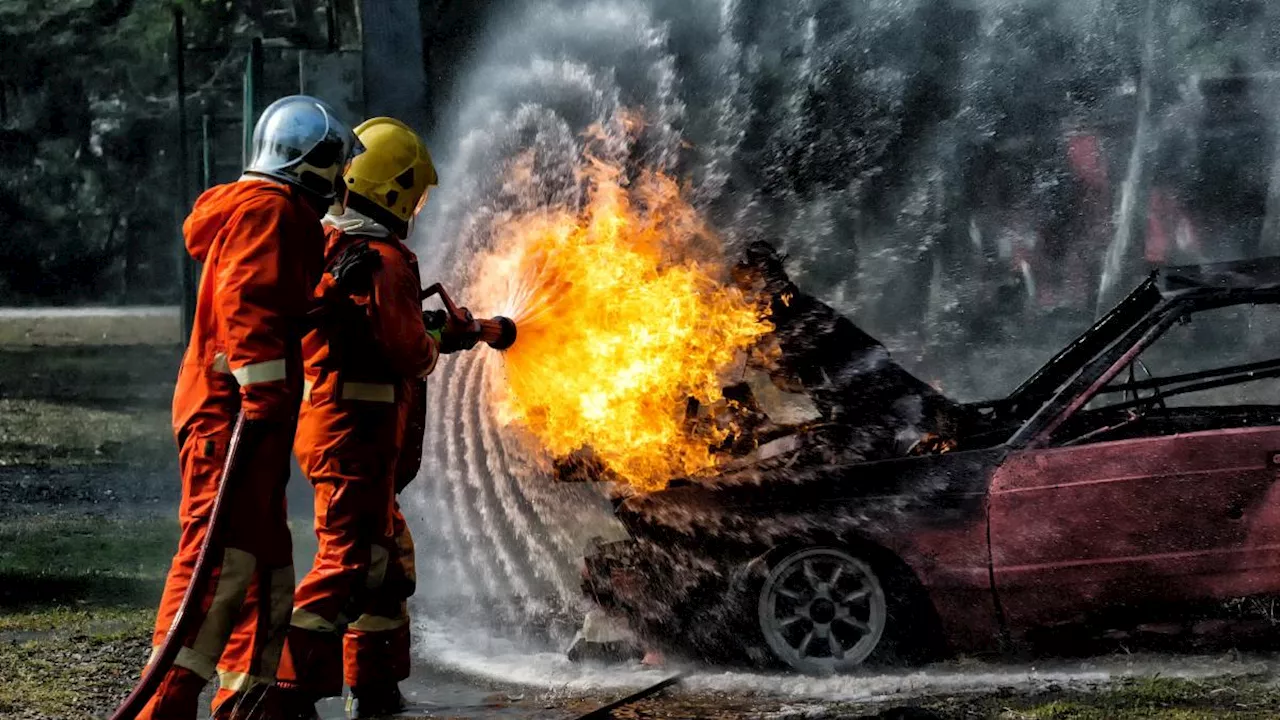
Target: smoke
<point>943,171</point>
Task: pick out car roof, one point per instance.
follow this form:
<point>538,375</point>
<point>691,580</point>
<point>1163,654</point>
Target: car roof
<point>1239,281</point>
<point>1261,276</point>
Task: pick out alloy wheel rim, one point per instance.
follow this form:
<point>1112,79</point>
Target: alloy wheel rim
<point>822,610</point>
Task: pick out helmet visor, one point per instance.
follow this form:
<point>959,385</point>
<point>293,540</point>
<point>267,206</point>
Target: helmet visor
<point>422,202</point>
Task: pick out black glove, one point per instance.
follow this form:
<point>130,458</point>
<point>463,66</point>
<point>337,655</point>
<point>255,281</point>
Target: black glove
<point>451,334</point>
<point>353,270</point>
<point>435,321</point>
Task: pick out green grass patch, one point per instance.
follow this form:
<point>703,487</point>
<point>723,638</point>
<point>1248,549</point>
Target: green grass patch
<point>112,328</point>
<point>81,560</point>
<point>77,603</point>
<point>93,375</point>
<point>104,622</point>
<point>87,405</point>
<point>36,432</point>
<point>78,666</point>
<point>1138,699</point>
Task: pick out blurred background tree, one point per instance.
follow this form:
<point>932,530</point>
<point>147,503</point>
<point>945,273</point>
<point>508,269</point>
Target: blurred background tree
<point>89,186</point>
<point>86,193</point>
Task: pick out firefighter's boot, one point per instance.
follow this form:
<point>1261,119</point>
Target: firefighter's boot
<point>375,701</point>
<point>296,703</point>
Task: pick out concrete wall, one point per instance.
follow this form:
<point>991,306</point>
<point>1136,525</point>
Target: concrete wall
<point>337,79</point>
<point>394,80</point>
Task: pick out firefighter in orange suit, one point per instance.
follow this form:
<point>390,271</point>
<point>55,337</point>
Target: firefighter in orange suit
<point>261,243</point>
<point>359,440</point>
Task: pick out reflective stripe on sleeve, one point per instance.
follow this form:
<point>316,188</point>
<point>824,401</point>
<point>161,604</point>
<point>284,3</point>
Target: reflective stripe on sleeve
<point>269,371</point>
<point>369,392</point>
<point>220,364</point>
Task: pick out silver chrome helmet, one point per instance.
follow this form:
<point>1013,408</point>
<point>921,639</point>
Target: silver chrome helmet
<point>300,140</point>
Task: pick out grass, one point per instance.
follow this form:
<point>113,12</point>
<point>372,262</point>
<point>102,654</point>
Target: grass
<point>140,376</point>
<point>40,432</point>
<point>63,663</point>
<point>77,598</point>
<point>84,560</point>
<point>87,406</point>
<point>1239,698</point>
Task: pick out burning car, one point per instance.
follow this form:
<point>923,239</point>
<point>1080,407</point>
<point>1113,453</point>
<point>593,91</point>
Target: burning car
<point>1131,479</point>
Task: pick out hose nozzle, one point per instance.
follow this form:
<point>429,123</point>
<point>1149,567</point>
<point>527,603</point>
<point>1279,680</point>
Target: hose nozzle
<point>498,332</point>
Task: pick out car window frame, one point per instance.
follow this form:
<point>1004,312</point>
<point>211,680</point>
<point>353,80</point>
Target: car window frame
<point>1076,393</point>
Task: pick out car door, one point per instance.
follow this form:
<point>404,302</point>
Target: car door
<point>1078,530</point>
<point>1154,520</point>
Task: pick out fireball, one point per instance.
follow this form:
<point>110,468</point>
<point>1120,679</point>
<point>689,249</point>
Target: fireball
<point>623,316</point>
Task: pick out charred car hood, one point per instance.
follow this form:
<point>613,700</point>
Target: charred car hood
<point>769,503</point>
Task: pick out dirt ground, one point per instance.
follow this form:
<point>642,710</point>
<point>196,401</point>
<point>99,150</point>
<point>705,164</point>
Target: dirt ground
<point>88,488</point>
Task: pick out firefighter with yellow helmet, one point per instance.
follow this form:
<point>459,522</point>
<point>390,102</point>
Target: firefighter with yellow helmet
<point>359,440</point>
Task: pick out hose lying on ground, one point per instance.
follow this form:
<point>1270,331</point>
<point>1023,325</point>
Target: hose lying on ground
<point>606,712</point>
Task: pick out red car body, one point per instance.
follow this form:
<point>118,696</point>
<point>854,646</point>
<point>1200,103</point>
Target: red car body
<point>1058,507</point>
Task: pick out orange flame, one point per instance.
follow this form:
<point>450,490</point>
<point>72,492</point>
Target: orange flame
<point>622,317</point>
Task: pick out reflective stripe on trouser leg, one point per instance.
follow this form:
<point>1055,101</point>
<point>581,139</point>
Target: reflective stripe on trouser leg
<point>376,656</point>
<point>250,660</point>
<point>379,558</point>
<point>377,623</point>
<point>307,620</point>
<point>281,598</point>
<point>234,577</point>
<point>368,392</point>
<point>404,555</point>
<point>312,657</point>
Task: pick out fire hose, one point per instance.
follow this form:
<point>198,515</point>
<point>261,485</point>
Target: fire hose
<point>188,614</point>
<point>498,332</point>
<point>606,712</point>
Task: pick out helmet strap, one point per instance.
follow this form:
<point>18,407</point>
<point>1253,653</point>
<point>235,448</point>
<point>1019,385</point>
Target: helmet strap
<point>378,214</point>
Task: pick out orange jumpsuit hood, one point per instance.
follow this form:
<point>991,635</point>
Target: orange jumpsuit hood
<point>215,207</point>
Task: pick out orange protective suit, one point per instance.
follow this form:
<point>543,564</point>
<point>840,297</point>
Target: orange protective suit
<point>364,387</point>
<point>261,243</point>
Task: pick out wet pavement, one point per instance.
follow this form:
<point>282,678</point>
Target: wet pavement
<point>712,693</point>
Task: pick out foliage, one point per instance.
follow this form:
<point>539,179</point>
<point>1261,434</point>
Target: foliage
<point>86,191</point>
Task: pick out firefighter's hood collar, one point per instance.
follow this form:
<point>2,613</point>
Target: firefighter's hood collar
<point>351,222</point>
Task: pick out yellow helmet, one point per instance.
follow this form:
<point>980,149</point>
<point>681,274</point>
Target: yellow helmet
<point>393,173</point>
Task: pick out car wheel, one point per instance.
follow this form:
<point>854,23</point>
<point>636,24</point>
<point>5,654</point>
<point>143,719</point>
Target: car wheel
<point>822,611</point>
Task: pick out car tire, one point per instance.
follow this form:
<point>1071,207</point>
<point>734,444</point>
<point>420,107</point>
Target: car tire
<point>826,610</point>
